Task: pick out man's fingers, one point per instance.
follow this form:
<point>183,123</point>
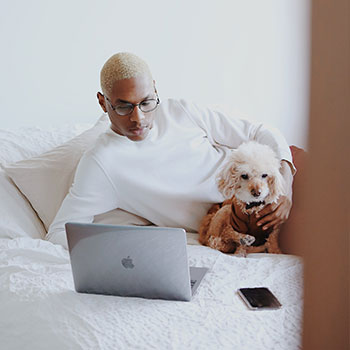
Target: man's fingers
<point>273,223</point>
<point>274,214</point>
<point>266,219</point>
<point>271,219</point>
<point>267,210</point>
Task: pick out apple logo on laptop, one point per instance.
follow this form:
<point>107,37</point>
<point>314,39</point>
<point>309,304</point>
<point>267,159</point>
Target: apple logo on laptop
<point>127,263</point>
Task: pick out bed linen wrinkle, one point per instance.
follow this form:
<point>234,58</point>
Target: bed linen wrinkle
<point>24,143</point>
<point>43,309</point>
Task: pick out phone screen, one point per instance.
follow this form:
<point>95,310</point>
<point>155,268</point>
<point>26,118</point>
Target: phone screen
<point>259,298</point>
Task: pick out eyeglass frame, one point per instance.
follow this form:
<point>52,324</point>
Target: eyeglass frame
<point>135,105</point>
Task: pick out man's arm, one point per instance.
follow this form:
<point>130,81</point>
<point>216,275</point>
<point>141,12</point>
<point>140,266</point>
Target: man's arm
<point>91,193</point>
<point>231,132</point>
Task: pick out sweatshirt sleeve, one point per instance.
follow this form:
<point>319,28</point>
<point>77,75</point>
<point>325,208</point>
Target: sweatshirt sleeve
<point>231,132</point>
<point>91,193</point>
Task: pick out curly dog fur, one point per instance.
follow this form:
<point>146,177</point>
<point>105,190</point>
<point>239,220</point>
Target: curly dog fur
<point>249,180</point>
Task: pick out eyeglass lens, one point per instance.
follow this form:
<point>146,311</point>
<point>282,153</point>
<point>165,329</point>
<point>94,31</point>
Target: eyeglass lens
<point>145,106</point>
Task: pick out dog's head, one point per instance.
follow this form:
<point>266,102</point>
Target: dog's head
<point>252,175</point>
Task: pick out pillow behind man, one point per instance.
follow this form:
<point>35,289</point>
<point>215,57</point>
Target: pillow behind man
<point>45,179</point>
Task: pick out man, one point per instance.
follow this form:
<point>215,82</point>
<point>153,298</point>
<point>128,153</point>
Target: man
<point>159,160</point>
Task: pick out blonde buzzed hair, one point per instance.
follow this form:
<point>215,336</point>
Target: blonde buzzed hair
<point>123,65</point>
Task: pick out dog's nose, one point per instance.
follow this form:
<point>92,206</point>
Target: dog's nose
<point>255,193</point>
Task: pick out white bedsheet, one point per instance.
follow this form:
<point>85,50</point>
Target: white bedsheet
<point>39,308</point>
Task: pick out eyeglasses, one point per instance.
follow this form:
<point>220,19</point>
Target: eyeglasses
<point>127,108</point>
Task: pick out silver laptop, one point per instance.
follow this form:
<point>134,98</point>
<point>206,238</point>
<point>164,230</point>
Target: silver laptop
<point>135,261</point>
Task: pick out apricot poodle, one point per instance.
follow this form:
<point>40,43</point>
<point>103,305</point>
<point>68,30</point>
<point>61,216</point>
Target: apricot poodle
<point>249,180</point>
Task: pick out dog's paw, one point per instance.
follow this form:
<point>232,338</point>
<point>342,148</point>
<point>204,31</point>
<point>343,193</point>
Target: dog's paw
<point>241,252</point>
<point>247,240</point>
<point>215,242</point>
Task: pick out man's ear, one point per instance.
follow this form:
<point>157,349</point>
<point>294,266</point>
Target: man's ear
<point>101,101</point>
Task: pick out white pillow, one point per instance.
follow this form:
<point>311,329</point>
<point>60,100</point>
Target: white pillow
<point>45,179</point>
<point>17,217</point>
<point>24,142</point>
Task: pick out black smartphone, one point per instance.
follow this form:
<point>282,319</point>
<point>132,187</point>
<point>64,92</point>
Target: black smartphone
<point>259,298</point>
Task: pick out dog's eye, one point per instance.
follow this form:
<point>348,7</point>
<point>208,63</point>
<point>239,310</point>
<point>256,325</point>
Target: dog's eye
<point>245,176</point>
<point>264,175</point>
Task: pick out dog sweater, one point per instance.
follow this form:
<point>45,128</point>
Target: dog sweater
<point>247,224</point>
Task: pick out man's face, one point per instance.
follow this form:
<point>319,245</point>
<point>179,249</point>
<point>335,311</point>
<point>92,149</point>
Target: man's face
<point>136,125</point>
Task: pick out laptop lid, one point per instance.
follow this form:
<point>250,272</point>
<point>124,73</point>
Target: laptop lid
<point>139,261</point>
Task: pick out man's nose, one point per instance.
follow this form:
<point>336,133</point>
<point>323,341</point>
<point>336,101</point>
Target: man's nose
<point>137,116</point>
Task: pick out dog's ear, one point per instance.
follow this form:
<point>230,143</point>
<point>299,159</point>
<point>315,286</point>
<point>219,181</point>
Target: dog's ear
<point>276,186</point>
<point>227,179</point>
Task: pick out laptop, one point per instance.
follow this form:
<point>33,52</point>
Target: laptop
<point>134,261</point>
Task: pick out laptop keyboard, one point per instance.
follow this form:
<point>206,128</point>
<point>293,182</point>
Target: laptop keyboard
<point>193,282</point>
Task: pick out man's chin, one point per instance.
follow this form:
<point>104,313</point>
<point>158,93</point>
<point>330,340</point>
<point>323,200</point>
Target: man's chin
<point>138,135</point>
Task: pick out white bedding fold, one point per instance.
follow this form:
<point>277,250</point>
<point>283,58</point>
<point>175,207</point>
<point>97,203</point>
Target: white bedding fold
<point>39,308</point>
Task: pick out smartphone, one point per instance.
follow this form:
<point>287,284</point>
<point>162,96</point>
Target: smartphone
<point>259,298</point>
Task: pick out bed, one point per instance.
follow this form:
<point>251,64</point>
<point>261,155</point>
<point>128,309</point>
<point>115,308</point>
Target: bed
<point>39,308</point>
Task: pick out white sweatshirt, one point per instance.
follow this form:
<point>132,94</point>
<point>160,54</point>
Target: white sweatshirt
<point>167,178</point>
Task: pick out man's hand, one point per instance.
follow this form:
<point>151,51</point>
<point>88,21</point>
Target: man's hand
<point>275,214</point>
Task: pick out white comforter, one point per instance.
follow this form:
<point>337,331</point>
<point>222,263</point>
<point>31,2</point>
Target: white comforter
<point>39,308</point>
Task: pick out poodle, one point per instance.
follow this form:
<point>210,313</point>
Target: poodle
<point>249,180</point>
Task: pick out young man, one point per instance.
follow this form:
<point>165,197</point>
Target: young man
<point>159,160</point>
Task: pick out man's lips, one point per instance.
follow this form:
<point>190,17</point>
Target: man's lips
<point>138,131</point>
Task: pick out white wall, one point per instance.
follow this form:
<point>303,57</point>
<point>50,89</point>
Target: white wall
<point>249,56</point>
